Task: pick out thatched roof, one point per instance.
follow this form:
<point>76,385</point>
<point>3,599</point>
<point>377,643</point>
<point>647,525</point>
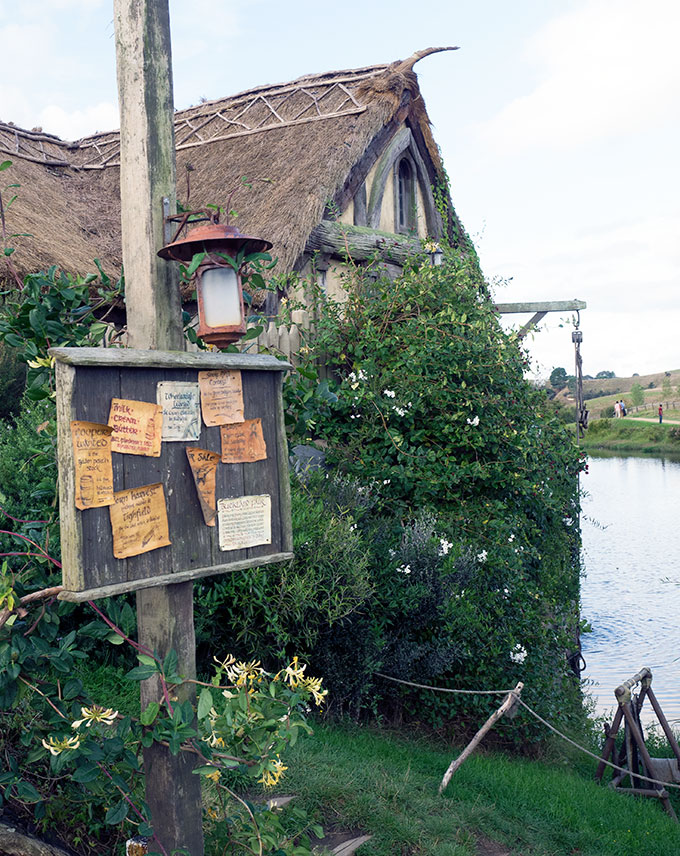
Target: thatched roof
<point>302,146</point>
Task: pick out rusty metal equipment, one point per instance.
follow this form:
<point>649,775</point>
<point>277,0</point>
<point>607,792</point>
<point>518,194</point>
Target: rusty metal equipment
<point>632,755</point>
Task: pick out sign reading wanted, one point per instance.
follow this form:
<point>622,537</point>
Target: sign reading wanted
<point>92,459</point>
<point>245,521</point>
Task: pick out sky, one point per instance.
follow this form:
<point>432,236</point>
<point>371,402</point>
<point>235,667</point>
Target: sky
<point>558,121</point>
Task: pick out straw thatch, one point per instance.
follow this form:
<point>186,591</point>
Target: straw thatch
<point>304,147</point>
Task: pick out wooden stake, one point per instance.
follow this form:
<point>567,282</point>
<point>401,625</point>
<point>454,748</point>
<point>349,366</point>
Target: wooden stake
<point>147,181</point>
<point>508,704</point>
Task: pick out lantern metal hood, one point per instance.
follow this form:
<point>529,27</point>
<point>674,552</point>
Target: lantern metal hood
<point>221,314</point>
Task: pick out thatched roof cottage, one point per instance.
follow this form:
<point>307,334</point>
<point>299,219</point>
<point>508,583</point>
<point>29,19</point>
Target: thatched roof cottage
<point>345,158</point>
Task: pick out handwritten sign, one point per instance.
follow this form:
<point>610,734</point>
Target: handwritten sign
<point>243,442</point>
<point>203,468</point>
<point>221,397</point>
<point>139,520</point>
<point>93,470</point>
<point>181,417</point>
<point>137,427</point>
<point>245,522</point>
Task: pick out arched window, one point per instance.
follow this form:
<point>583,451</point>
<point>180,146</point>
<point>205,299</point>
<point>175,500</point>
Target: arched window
<point>406,196</point>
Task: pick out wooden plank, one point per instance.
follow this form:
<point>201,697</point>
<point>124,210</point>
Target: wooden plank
<point>168,579</point>
<point>97,539</point>
<point>202,360</point>
<point>284,471</point>
<point>69,517</point>
<point>262,477</point>
<point>541,306</point>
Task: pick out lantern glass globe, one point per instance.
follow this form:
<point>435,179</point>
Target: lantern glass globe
<point>221,299</point>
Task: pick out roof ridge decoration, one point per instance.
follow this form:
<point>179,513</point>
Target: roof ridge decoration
<point>310,98</point>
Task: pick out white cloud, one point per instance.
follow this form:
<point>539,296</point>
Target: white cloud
<point>608,67</point>
<point>72,124</point>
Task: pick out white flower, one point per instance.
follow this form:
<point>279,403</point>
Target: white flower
<point>444,546</point>
<point>352,527</point>
<point>474,422</point>
<point>362,375</point>
<point>387,481</point>
<point>511,539</point>
<point>399,411</point>
<point>518,654</point>
<point>390,393</point>
<point>481,557</point>
<point>392,553</point>
<point>404,569</point>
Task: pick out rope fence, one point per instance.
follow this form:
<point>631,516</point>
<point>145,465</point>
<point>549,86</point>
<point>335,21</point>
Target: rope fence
<point>537,716</point>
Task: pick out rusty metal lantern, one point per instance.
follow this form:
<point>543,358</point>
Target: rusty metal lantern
<point>221,314</point>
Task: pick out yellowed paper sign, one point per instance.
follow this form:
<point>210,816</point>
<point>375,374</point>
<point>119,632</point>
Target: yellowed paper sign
<point>92,458</point>
<point>245,522</point>
<point>139,520</point>
<point>221,397</point>
<point>137,427</point>
<point>203,468</point>
<point>243,442</point>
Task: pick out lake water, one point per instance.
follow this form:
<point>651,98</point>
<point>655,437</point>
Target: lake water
<point>631,590</point>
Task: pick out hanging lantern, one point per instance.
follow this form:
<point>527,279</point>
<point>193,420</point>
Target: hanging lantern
<point>221,314</point>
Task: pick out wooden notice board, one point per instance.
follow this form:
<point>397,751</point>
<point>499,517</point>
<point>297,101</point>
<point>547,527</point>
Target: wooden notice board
<point>199,467</point>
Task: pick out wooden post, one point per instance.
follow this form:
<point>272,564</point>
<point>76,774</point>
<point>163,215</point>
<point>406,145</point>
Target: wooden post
<point>147,180</point>
<point>509,702</point>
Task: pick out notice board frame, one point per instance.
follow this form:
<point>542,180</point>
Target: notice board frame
<point>87,379</point>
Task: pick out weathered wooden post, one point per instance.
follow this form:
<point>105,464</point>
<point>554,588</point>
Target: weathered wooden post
<point>147,189</point>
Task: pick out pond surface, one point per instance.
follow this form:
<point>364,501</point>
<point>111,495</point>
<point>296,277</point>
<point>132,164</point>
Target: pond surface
<point>631,590</point>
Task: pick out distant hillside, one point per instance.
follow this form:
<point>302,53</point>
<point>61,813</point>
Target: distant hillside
<point>612,385</point>
<point>605,391</point>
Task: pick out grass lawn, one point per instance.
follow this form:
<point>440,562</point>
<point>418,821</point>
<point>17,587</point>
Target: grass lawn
<point>631,435</point>
<point>386,785</point>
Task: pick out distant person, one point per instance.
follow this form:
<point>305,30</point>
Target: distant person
<point>660,414</point>
<point>617,409</point>
<point>623,408</point>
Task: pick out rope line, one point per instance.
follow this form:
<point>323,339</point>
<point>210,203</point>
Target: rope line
<point>540,719</point>
<point>443,689</point>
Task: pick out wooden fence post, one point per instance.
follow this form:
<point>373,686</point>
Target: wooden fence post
<point>147,179</point>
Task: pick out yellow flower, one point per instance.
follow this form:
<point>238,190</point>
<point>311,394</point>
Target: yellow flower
<point>212,814</point>
<point>294,673</point>
<point>314,687</point>
<point>242,673</point>
<point>272,773</point>
<point>215,776</point>
<point>56,745</point>
<point>96,713</point>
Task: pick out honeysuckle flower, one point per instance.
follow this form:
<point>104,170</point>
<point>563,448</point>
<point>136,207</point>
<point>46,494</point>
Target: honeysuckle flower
<point>241,674</point>
<point>294,673</point>
<point>474,421</point>
<point>389,393</point>
<point>215,776</point>
<point>481,557</point>
<point>272,773</point>
<point>57,745</point>
<point>313,685</point>
<point>95,714</point>
<point>518,654</point>
<point>399,411</point>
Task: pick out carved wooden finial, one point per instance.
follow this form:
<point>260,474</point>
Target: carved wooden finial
<point>407,64</point>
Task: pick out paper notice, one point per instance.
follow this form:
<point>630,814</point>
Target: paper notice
<point>93,470</point>
<point>221,397</point>
<point>245,522</point>
<point>137,427</point>
<point>139,521</point>
<point>181,418</point>
<point>203,468</point>
<point>243,442</point>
